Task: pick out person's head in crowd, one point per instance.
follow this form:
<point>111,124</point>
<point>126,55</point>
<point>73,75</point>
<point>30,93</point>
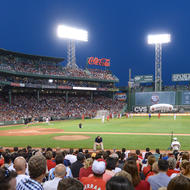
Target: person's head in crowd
<point>49,149</point>
<point>98,168</point>
<point>133,156</point>
<point>49,155</point>
<point>147,155</point>
<point>185,168</point>
<point>132,169</point>
<point>7,179</point>
<point>93,155</point>
<point>179,183</point>
<point>88,163</point>
<point>70,184</point>
<point>147,149</point>
<point>15,149</point>
<point>185,156</point>
<point>131,160</point>
<point>151,160</point>
<point>114,156</point>
<point>119,154</point>
<point>59,159</point>
<point>119,183</point>
<point>20,165</point>
<point>7,158</point>
<point>14,155</point>
<point>182,165</point>
<point>123,150</point>
<point>163,165</point>
<point>124,174</point>
<point>71,151</point>
<point>37,168</point>
<point>108,152</point>
<point>157,150</point>
<point>43,150</point>
<point>60,171</point>
<point>54,154</point>
<point>155,167</point>
<point>80,150</point>
<point>98,155</point>
<point>29,148</point>
<point>122,157</point>
<point>111,163</point>
<point>172,163</point>
<point>138,152</point>
<point>80,157</point>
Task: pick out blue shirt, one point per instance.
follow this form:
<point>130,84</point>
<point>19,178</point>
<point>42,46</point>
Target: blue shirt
<point>29,184</point>
<point>159,180</point>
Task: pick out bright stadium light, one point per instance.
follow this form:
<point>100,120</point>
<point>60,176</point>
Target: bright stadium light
<point>72,33</point>
<point>159,39</point>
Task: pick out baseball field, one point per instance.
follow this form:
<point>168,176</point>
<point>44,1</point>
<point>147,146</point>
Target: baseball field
<point>132,133</point>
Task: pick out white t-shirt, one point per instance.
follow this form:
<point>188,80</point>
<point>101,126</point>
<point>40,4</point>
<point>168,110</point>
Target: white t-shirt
<point>175,145</point>
<point>52,184</point>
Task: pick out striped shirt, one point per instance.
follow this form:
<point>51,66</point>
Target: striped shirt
<point>29,184</point>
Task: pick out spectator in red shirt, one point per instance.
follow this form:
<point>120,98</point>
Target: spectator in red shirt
<point>87,169</point>
<point>50,163</point>
<point>96,181</point>
<point>138,184</point>
<point>172,166</point>
<point>147,171</point>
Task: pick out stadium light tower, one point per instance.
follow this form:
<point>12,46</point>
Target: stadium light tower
<point>158,40</point>
<point>72,34</point>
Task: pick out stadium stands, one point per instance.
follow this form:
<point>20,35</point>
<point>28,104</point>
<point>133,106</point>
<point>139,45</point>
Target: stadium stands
<point>100,167</point>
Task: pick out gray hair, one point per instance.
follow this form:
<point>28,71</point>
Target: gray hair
<point>171,163</point>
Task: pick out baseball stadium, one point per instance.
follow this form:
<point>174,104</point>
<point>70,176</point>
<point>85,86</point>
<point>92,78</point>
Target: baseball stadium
<point>43,103</point>
<point>85,104</point>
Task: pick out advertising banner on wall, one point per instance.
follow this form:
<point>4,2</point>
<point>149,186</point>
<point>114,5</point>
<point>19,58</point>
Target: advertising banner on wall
<point>140,109</point>
<point>121,96</point>
<point>181,77</point>
<point>186,98</point>
<point>144,78</point>
<point>151,98</point>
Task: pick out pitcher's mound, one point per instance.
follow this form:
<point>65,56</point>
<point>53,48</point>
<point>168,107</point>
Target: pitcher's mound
<point>71,137</point>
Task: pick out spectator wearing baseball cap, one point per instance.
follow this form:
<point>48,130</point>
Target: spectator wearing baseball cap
<point>95,181</point>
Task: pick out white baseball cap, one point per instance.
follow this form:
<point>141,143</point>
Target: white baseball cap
<point>175,138</point>
<point>98,167</point>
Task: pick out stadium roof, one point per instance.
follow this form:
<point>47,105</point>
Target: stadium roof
<point>29,56</point>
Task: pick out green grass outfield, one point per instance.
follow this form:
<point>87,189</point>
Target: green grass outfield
<point>131,125</point>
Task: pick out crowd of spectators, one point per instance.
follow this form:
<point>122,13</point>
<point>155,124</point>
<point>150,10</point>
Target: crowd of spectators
<point>10,63</point>
<point>53,82</point>
<point>38,169</point>
<point>55,106</point>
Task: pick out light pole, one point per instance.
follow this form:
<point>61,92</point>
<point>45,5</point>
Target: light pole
<point>158,40</point>
<point>72,34</point>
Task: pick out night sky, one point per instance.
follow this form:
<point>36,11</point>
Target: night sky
<point>117,29</point>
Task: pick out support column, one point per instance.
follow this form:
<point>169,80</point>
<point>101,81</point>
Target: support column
<point>10,96</point>
<point>67,97</point>
<point>113,95</point>
<point>38,96</point>
<point>91,96</point>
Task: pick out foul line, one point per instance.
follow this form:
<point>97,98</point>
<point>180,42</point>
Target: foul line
<point>117,133</point>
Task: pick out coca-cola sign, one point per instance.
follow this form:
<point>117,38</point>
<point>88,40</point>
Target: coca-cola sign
<point>101,62</point>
